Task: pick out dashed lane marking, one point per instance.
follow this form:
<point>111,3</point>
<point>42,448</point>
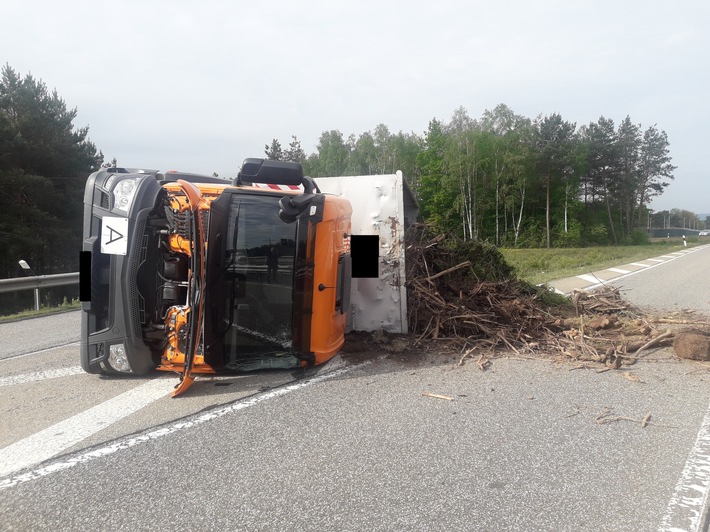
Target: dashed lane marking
<point>596,283</point>
<point>40,376</point>
<point>618,270</point>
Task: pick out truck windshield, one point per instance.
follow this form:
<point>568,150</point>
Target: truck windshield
<point>259,249</point>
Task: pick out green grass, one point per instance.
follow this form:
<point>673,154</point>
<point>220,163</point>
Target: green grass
<point>43,311</point>
<point>543,265</point>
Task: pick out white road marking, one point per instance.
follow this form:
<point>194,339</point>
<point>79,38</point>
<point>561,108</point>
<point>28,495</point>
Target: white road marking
<point>640,264</point>
<point>685,509</point>
<point>647,267</point>
<point>40,376</point>
<point>618,270</point>
<point>13,357</point>
<point>588,278</point>
<point>53,440</point>
<point>666,257</point>
<point>193,421</point>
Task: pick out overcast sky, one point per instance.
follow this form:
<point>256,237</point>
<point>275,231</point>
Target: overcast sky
<point>199,86</point>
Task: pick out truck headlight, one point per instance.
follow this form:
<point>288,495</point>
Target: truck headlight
<point>124,192</point>
<point>118,359</point>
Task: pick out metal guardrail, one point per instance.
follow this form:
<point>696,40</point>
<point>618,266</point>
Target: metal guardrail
<point>35,282</point>
<point>38,281</point>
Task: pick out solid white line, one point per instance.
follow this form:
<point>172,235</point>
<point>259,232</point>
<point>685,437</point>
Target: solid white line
<point>588,278</point>
<point>188,423</point>
<point>13,357</point>
<point>53,440</point>
<point>618,270</point>
<point>40,376</point>
<point>685,509</point>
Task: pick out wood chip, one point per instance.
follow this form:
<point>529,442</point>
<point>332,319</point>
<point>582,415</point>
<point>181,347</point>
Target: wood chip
<point>631,376</point>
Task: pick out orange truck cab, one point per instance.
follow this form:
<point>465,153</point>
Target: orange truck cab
<point>195,274</point>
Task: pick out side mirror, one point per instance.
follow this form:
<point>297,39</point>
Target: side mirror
<point>292,206</point>
<point>270,172</point>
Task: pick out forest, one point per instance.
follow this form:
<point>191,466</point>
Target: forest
<point>44,163</point>
<point>503,178</point>
<point>516,181</point>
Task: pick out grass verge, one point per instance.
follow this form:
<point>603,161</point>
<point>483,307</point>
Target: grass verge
<point>43,311</point>
<point>544,265</point>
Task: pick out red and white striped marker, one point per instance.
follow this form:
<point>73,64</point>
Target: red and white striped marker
<point>272,186</point>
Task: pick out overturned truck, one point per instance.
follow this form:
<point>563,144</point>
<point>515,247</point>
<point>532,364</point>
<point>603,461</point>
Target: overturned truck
<point>196,274</point>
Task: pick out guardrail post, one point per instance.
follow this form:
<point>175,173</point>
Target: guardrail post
<point>36,282</point>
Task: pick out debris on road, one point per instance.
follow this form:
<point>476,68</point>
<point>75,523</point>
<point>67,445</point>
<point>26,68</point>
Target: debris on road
<point>692,344</point>
<point>465,302</point>
<point>631,377</point>
<point>463,296</point>
<point>479,301</point>
<point>606,417</point>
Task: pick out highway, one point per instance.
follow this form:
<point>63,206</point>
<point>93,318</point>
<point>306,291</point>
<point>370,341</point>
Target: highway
<point>357,444</point>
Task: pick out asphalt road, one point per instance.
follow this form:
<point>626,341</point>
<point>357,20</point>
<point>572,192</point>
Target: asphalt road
<point>677,285</point>
<point>355,445</point>
<point>26,336</point>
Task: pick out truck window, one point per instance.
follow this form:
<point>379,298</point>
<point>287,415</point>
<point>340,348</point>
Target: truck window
<point>260,251</point>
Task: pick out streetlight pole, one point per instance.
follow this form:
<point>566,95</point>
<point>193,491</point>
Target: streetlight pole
<point>26,267</point>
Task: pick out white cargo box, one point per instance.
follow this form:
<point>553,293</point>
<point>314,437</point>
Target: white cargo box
<point>382,205</point>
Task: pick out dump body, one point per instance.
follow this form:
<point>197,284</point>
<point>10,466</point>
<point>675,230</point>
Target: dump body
<point>196,275</point>
<point>383,207</point>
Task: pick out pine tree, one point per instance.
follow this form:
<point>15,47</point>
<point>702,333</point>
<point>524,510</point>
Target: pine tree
<point>295,153</point>
<point>44,162</point>
<point>274,152</point>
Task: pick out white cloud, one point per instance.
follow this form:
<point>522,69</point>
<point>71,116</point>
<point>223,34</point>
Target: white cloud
<point>200,87</point>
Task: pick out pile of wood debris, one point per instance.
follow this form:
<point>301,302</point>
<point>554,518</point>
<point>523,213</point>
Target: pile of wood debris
<point>464,296</point>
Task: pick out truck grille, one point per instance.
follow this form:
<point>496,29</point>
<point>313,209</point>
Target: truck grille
<point>137,303</point>
<point>100,275</point>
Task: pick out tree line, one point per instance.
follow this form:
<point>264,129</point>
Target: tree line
<point>44,163</point>
<point>502,177</point>
<point>510,179</point>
